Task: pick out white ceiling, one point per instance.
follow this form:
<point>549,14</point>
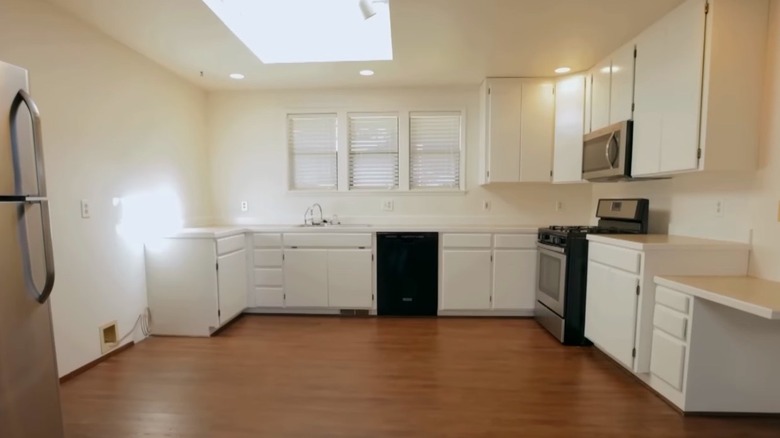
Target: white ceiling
<point>436,42</point>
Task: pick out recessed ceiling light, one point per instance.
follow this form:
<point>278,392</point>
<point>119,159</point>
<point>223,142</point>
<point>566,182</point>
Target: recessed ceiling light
<point>613,69</point>
<point>236,76</point>
<point>366,72</point>
<point>561,70</point>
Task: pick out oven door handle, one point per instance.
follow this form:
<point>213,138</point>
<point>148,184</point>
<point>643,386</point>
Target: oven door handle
<point>544,247</point>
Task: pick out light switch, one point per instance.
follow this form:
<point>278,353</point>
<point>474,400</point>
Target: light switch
<point>85,209</point>
<point>387,205</point>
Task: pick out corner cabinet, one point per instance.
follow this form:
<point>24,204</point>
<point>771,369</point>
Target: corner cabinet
<point>484,274</point>
<point>517,129</point>
<point>691,115</point>
<point>196,285</point>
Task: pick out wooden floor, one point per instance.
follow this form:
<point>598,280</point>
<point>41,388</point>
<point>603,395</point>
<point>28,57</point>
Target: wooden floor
<point>331,377</point>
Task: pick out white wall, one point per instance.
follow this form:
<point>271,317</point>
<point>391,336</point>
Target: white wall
<point>686,204</point>
<point>114,124</point>
<point>249,162</point>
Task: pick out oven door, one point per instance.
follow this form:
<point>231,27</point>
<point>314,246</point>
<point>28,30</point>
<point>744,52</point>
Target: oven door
<point>606,153</point>
<point>551,278</point>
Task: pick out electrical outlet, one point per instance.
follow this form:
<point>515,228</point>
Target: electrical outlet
<point>558,206</point>
<point>388,205</point>
<point>244,206</point>
<point>85,209</point>
<point>719,207</point>
<point>486,205</point>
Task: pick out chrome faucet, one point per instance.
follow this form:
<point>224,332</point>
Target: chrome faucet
<point>308,216</point>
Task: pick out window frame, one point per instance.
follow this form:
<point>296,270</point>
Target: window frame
<point>404,149</point>
<point>289,151</point>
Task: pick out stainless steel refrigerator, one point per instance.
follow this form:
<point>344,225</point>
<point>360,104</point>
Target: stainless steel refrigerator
<point>29,384</point>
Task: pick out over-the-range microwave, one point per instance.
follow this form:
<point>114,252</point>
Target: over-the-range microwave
<point>606,153</point>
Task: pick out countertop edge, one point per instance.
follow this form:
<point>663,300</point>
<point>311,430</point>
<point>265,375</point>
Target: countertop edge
<point>711,245</point>
<point>227,231</point>
<point>744,306</point>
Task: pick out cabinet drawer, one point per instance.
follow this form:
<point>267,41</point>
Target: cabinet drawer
<point>268,297</point>
<point>668,359</point>
<point>673,300</point>
<point>268,258</point>
<point>230,244</point>
<point>671,322</point>
<point>267,240</point>
<point>268,277</point>
<point>466,241</point>
<point>327,240</point>
<point>514,241</point>
<point>624,259</point>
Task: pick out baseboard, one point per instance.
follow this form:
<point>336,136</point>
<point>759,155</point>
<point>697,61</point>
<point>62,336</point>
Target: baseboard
<point>82,369</point>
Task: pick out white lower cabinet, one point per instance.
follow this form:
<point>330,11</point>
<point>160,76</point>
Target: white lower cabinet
<point>232,281</point>
<point>466,279</point>
<point>483,274</point>
<point>611,310</point>
<point>350,279</point>
<point>306,277</point>
<point>514,279</point>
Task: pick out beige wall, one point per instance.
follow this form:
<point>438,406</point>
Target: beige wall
<point>686,204</point>
<point>114,124</point>
<point>249,162</point>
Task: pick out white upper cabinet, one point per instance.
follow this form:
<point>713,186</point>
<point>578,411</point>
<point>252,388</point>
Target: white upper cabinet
<point>691,115</point>
<point>601,84</point>
<point>622,89</point>
<point>518,130</point>
<point>570,107</point>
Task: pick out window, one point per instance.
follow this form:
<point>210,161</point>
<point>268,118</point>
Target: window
<point>313,147</point>
<point>434,150</point>
<point>373,151</point>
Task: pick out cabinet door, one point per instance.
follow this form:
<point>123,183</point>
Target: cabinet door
<point>514,279</point>
<point>503,129</point>
<point>588,102</point>
<point>600,95</point>
<point>668,92</point>
<point>569,129</point>
<point>349,279</point>
<point>306,277</point>
<point>466,280</point>
<point>233,288</point>
<point>622,94</point>
<point>610,314</point>
<point>537,128</point>
<point>667,360</point>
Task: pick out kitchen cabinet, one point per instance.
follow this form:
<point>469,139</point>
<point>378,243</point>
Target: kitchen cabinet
<point>518,123</point>
<point>196,285</point>
<point>610,311</point>
<point>267,276</point>
<point>484,274</point>
<point>601,84</point>
<point>306,278</point>
<point>619,311</point>
<point>466,278</point>
<point>350,279</point>
<point>570,104</point>
<point>232,284</point>
<point>621,98</point>
<point>691,115</point>
<point>514,279</point>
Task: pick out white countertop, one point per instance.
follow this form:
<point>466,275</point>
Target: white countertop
<point>221,231</point>
<point>643,242</point>
<point>748,294</point>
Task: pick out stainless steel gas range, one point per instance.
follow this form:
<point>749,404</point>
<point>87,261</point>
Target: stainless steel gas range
<point>562,266</point>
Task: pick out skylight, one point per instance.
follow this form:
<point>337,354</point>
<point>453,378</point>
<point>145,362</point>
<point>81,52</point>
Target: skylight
<point>298,31</point>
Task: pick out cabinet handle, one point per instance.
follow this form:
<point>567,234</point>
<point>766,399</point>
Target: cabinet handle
<point>607,151</point>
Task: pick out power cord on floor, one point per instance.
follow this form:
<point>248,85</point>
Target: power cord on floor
<point>144,321</point>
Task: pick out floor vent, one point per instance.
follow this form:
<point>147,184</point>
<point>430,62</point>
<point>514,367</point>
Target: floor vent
<point>353,312</point>
<point>109,338</point>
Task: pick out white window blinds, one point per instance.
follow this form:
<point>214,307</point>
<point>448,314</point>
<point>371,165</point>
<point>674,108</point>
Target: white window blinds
<point>434,150</point>
<point>313,145</point>
<point>373,151</point>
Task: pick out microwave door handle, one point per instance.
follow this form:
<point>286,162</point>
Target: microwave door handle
<point>48,254</point>
<point>22,97</point>
<point>608,148</point>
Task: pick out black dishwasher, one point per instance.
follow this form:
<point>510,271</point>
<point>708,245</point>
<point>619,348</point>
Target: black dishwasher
<point>407,274</point>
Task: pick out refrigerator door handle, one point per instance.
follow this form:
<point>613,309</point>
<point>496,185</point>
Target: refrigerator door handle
<point>22,97</point>
<point>48,253</point>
